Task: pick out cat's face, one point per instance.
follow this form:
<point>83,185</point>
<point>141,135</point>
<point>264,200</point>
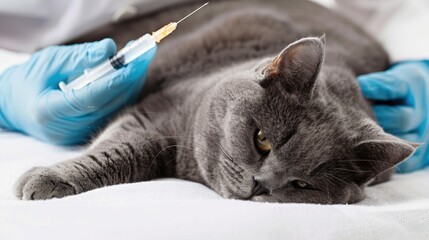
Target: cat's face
<point>279,133</point>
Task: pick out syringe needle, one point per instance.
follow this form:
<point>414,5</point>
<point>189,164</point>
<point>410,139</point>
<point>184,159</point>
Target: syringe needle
<point>196,10</point>
<point>171,27</point>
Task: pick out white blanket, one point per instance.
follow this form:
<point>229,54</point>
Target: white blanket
<point>170,208</point>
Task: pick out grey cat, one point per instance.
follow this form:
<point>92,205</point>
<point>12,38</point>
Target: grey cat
<point>226,105</point>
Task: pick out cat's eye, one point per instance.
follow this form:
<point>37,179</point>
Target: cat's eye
<point>261,142</point>
<point>300,184</point>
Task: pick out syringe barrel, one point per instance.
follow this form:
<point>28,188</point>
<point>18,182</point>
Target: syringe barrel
<point>122,58</point>
<point>133,51</point>
<point>89,76</point>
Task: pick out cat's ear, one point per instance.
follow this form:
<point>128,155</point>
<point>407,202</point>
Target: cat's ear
<point>381,153</point>
<point>296,68</point>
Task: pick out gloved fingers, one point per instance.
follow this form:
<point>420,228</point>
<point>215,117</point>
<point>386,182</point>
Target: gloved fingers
<point>74,59</point>
<point>383,86</point>
<point>398,119</point>
<point>78,130</point>
<point>75,103</point>
<point>126,98</point>
<point>92,97</point>
<point>138,68</point>
<point>129,78</point>
<point>61,129</point>
<point>123,100</point>
<point>125,77</point>
<point>98,117</point>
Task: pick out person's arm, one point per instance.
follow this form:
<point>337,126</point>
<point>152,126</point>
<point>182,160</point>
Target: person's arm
<point>31,102</point>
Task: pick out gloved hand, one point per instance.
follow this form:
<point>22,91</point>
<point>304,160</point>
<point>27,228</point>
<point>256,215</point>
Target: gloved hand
<point>407,84</point>
<point>31,102</point>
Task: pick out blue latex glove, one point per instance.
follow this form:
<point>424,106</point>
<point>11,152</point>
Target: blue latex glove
<point>408,118</point>
<point>31,102</point>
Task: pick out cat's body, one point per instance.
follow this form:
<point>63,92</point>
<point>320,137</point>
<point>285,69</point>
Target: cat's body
<point>215,84</point>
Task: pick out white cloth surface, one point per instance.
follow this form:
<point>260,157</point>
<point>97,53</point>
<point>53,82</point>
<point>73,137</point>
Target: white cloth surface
<point>166,209</point>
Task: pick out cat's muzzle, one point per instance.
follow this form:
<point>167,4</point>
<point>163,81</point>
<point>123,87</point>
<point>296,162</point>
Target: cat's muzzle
<point>258,189</point>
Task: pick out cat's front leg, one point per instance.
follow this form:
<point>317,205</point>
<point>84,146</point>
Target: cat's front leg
<point>125,152</point>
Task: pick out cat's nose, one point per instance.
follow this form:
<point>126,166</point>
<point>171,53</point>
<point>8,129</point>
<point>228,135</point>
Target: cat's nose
<point>267,182</point>
<point>259,188</point>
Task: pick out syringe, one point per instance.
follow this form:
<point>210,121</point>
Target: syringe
<point>124,56</point>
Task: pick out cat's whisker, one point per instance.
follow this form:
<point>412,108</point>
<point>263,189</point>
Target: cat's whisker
<point>327,191</point>
<point>363,160</point>
<point>397,169</point>
<point>180,75</point>
<point>156,156</point>
<point>221,147</point>
<point>189,148</point>
<point>336,178</point>
<point>232,175</point>
<point>228,172</point>
<point>351,170</point>
<point>232,171</point>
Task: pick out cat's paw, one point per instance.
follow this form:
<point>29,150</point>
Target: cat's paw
<point>42,183</point>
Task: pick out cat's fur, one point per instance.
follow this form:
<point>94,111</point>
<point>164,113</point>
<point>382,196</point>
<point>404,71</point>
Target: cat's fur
<point>211,88</point>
